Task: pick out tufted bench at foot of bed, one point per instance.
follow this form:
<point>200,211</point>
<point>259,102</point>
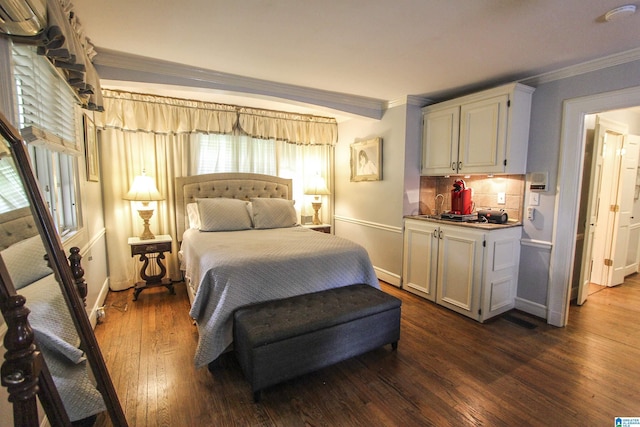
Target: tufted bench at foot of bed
<point>281,339</point>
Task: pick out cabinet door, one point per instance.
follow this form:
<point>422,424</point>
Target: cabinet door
<point>501,267</point>
<point>460,261</point>
<point>483,135</point>
<point>420,258</point>
<point>440,133</point>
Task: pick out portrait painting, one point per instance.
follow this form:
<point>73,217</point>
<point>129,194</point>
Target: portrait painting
<point>366,160</point>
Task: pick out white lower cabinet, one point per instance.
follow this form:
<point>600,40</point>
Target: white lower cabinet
<point>420,260</point>
<point>469,270</point>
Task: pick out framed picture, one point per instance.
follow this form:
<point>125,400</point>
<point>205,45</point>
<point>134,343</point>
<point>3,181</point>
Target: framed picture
<point>366,160</point>
<point>91,149</point>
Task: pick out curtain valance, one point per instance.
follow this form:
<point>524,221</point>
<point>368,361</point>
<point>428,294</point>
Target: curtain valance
<point>151,113</point>
<point>295,128</point>
<point>59,36</point>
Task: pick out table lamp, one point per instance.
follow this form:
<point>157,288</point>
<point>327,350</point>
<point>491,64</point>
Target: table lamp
<point>144,190</point>
<point>317,189</point>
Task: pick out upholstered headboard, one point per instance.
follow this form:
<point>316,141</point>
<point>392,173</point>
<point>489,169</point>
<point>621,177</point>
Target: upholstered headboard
<point>16,226</point>
<point>242,186</point>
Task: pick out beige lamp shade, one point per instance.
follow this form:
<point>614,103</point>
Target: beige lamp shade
<point>143,189</point>
<point>317,187</point>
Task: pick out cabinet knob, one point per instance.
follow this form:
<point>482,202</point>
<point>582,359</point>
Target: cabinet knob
<point>459,166</point>
<point>453,166</point>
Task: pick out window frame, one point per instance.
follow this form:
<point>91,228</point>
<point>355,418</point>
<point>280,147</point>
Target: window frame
<point>54,139</point>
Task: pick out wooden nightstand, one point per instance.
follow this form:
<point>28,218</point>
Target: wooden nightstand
<point>323,228</point>
<point>152,274</point>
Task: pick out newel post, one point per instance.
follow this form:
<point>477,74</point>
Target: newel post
<point>78,273</point>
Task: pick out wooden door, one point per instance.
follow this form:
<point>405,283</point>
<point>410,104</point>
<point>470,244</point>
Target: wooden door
<point>623,262</point>
<point>594,160</point>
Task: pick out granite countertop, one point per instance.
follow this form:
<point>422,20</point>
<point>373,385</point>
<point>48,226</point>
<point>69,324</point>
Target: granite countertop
<point>480,225</point>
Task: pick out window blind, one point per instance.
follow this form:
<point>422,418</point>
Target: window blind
<point>47,120</point>
<point>12,195</point>
<point>44,99</point>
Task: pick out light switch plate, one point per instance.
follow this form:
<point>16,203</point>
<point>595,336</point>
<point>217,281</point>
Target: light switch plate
<point>502,198</point>
<point>534,199</point>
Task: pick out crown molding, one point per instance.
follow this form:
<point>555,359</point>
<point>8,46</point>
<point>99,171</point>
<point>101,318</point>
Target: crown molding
<point>414,100</point>
<point>583,68</point>
<point>114,65</point>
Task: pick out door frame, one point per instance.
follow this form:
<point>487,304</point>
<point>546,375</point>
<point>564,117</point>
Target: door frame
<point>567,198</point>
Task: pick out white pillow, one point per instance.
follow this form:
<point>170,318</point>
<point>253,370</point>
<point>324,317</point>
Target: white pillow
<point>193,215</point>
<point>273,213</point>
<point>222,214</point>
<point>25,261</point>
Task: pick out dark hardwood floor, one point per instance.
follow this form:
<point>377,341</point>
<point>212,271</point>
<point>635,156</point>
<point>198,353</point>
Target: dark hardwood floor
<point>448,370</point>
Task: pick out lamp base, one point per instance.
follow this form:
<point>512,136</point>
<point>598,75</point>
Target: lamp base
<point>146,215</point>
<point>316,216</point>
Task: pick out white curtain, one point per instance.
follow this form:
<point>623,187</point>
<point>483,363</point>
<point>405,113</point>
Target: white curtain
<point>164,137</point>
<point>125,155</point>
<point>241,153</point>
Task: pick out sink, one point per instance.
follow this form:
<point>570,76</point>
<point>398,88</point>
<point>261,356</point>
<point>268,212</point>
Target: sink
<point>429,216</point>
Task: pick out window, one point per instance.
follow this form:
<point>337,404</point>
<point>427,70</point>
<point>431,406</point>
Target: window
<point>48,122</point>
<point>236,153</point>
<point>12,194</point>
<point>56,174</point>
<point>241,153</point>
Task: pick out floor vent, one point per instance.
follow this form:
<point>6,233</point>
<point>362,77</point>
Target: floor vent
<point>519,321</point>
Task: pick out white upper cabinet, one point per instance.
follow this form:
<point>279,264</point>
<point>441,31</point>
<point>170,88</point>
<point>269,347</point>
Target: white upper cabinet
<point>441,130</point>
<point>486,132</point>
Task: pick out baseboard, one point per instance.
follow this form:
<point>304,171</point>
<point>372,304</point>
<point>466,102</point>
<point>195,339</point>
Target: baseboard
<point>530,307</point>
<point>387,276</point>
<point>93,314</point>
<point>556,319</point>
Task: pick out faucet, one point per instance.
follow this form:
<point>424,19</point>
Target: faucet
<point>438,211</point>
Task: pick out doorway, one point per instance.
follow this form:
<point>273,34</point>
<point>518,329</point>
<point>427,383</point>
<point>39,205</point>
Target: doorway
<point>569,179</point>
<point>609,215</point>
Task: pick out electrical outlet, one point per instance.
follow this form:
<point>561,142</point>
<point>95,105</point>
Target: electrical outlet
<point>502,198</point>
<point>531,213</point>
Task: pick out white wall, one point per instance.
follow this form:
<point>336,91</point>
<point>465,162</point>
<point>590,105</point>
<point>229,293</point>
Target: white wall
<point>371,213</point>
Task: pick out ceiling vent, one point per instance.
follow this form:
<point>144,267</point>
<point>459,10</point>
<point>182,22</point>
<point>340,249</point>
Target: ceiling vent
<point>23,17</point>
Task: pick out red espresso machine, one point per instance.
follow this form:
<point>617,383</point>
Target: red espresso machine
<point>461,203</point>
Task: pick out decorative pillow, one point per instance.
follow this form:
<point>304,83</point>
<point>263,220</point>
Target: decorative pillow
<point>222,214</point>
<point>25,261</point>
<point>193,215</point>
<point>273,213</point>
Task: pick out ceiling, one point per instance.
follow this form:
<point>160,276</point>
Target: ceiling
<point>368,50</point>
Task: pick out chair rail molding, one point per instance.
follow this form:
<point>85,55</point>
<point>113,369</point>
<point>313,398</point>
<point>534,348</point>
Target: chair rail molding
<point>369,224</point>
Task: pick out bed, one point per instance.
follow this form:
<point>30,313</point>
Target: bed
<point>241,244</point>
<point>22,251</point>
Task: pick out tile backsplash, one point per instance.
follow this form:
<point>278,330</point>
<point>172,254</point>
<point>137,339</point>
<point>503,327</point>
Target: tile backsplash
<point>484,194</point>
